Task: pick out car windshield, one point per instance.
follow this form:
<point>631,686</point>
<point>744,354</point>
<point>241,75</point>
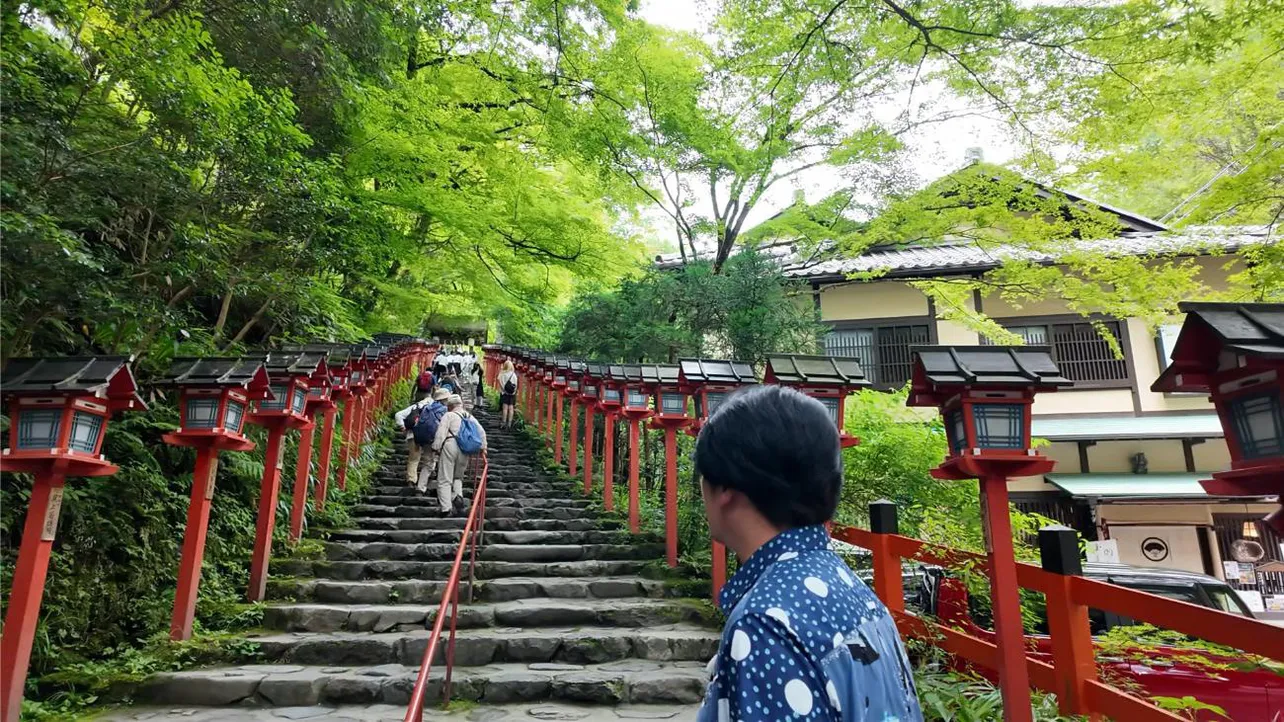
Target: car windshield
<point>1226,600</point>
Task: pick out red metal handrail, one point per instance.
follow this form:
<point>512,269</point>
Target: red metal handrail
<point>469,540</point>
<point>1074,676</point>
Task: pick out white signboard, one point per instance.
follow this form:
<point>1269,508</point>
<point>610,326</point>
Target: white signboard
<point>1253,599</point>
<point>1104,552</point>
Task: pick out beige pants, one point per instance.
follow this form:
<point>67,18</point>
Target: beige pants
<point>413,455</point>
<point>451,467</point>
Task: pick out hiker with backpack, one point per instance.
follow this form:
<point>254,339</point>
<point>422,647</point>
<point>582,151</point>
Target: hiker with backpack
<point>405,420</point>
<point>507,382</point>
<point>459,437</point>
<point>425,431</point>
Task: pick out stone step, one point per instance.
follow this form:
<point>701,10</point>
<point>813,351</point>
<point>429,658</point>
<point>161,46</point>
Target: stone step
<point>451,536</point>
<point>496,489</point>
<point>492,524</point>
<point>387,569</point>
<point>512,512</point>
<point>477,647</point>
<point>472,712</point>
<point>492,590</point>
<point>354,551</point>
<point>299,617</point>
<point>429,498</point>
<point>633,681</point>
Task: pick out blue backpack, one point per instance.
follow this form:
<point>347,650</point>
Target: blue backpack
<point>470,436</point>
<point>427,422</point>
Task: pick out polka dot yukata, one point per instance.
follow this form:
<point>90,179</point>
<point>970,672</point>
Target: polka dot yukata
<point>806,639</point>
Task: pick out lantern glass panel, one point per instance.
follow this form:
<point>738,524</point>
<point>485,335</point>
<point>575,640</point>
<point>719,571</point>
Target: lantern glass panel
<point>235,416</point>
<point>671,403</point>
<point>86,428</point>
<point>713,399</point>
<point>999,426</point>
<point>956,431</point>
<point>38,428</point>
<point>277,403</point>
<point>590,391</point>
<point>831,406</point>
<point>573,384</point>
<point>1259,425</point>
<point>560,380</point>
<point>358,377</point>
<point>637,399</point>
<point>611,395</point>
<point>297,401</point>
<point>201,412</point>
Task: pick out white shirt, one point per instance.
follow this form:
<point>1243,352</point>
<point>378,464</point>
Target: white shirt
<point>504,376</point>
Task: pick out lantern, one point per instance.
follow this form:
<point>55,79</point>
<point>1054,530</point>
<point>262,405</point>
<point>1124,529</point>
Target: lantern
<point>317,401</point>
<point>59,409</point>
<point>214,394</point>
<point>670,415</point>
<point>985,394</point>
<point>574,378</point>
<point>1235,353</point>
<point>590,387</point>
<point>633,395</point>
<point>829,380</point>
<point>711,382</point>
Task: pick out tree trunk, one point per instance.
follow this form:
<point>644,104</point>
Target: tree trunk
<point>223,310</point>
<point>258,316</point>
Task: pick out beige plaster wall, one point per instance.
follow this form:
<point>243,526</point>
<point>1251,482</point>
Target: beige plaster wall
<point>878,299</point>
<point>1114,456</point>
<point>1182,543</point>
<point>1085,401</point>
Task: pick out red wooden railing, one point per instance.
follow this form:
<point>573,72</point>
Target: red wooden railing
<point>469,540</point>
<point>1073,673</point>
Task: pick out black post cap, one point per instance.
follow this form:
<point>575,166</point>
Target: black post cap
<point>1059,550</point>
<point>882,517</point>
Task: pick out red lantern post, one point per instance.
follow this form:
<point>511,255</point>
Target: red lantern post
<point>215,394</point>
<point>285,409</point>
<point>318,401</point>
<point>711,382</point>
<point>560,367</point>
<point>358,367</point>
<point>829,380</point>
<point>985,394</point>
<point>590,391</point>
<point>635,393</point>
<point>59,410</point>
<point>670,415</point>
<point>574,372</point>
<point>1235,353</point>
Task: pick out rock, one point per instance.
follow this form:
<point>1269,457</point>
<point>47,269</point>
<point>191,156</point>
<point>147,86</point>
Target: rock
<point>508,687</point>
<point>627,712</point>
<point>594,687</point>
<point>352,689</point>
<point>487,715</point>
<point>202,687</point>
<point>666,687</point>
<point>612,588</point>
<point>593,650</point>
<point>295,689</point>
<point>555,667</point>
<point>531,648</point>
<point>306,618</point>
<point>349,593</point>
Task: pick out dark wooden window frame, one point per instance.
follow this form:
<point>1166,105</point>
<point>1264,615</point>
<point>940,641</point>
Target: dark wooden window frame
<point>875,323</point>
<point>1126,382</point>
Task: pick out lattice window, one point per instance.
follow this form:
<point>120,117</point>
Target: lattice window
<point>884,351</point>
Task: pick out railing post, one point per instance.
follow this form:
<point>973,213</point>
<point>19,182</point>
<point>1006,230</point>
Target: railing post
<point>634,514</point>
<point>608,462</point>
<point>671,495</point>
<point>1072,652</point>
<point>572,459</point>
<point>1005,600</point>
<point>888,583</point>
<point>557,429</point>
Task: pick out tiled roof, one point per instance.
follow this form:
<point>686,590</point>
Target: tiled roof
<point>958,256</point>
<point>815,370</point>
<point>972,256</point>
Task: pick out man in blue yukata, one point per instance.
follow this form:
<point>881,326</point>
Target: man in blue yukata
<point>805,639</point>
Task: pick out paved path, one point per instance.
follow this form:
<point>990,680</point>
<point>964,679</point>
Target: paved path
<point>562,615</point>
<point>394,713</point>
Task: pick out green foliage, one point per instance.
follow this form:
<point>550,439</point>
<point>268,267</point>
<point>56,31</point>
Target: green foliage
<point>952,697</point>
<point>745,312</point>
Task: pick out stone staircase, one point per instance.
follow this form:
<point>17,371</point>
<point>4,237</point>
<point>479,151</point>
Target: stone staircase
<point>563,625</point>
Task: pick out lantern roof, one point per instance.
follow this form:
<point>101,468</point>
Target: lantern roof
<point>561,363</point>
<point>1251,330</point>
<point>942,371</point>
<point>815,370</point>
<point>715,372</point>
<point>595,369</point>
<point>657,373</point>
<point>577,367</point>
<point>249,373</point>
<point>615,372</point>
<point>104,377</point>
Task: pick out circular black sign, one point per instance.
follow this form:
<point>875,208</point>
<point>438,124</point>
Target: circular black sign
<point>1154,548</point>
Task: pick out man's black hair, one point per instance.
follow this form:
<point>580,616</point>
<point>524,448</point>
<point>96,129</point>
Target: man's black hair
<point>780,449</point>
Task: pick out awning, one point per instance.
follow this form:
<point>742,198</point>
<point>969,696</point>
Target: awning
<point>1106,428</point>
<point>1154,486</point>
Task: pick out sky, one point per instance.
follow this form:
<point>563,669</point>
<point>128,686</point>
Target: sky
<point>935,150</point>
